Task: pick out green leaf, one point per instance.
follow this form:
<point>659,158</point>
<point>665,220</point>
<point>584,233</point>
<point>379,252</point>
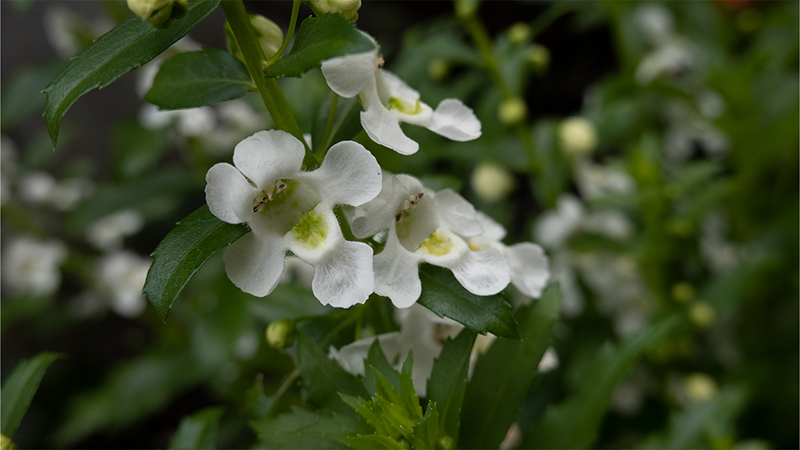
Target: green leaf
<point>504,374</point>
<point>198,431</point>
<point>373,441</point>
<point>318,39</point>
<point>306,429</point>
<point>182,252</point>
<point>346,121</point>
<point>19,389</point>
<point>124,48</point>
<point>426,432</point>
<point>444,295</point>
<point>323,378</point>
<point>137,148</point>
<point>574,423</point>
<point>377,359</point>
<point>194,79</point>
<point>408,395</point>
<point>449,380</point>
<point>22,95</point>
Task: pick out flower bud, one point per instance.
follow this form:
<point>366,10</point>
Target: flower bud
<point>345,8</point>
<point>5,443</point>
<point>280,334</point>
<point>702,314</point>
<point>466,9</point>
<point>160,13</point>
<point>519,33</point>
<point>683,292</point>
<point>700,387</point>
<point>538,56</point>
<point>438,69</point>
<point>578,136</point>
<point>491,182</point>
<point>512,111</point>
<point>268,33</point>
<point>446,443</point>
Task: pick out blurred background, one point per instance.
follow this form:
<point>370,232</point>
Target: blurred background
<point>650,147</point>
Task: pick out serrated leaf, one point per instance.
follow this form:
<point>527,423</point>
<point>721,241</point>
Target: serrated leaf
<point>306,429</point>
<point>377,359</point>
<point>346,121</point>
<point>198,431</point>
<point>408,394</point>
<point>18,391</point>
<point>427,431</point>
<point>449,380</point>
<point>574,423</point>
<point>373,441</point>
<point>323,378</point>
<point>182,252</point>
<point>444,295</point>
<point>126,47</point>
<point>318,39</point>
<point>194,79</point>
<point>504,374</point>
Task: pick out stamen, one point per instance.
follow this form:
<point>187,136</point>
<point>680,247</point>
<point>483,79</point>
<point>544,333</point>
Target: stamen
<point>411,202</point>
<point>379,62</point>
<point>268,196</point>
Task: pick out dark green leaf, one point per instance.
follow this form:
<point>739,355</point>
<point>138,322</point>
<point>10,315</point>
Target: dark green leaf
<point>306,429</point>
<point>574,423</point>
<point>373,441</point>
<point>427,431</point>
<point>377,359</point>
<point>182,252</point>
<point>126,47</point>
<point>318,39</point>
<point>449,380</point>
<point>504,374</point>
<point>323,378</point>
<point>194,79</point>
<point>346,121</point>
<point>442,294</point>
<point>19,389</point>
<point>198,431</point>
<point>409,396</point>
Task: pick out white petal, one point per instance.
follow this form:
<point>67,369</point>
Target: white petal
<point>268,156</point>
<point>457,213</point>
<point>349,175</point>
<point>492,230</point>
<point>347,279</point>
<point>390,85</point>
<point>350,74</point>
<point>397,273</point>
<point>482,273</point>
<point>383,126</point>
<point>455,120</point>
<point>529,268</point>
<point>255,263</point>
<point>378,214</point>
<point>228,193</point>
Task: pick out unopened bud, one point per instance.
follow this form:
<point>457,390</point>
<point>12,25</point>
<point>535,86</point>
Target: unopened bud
<point>446,443</point>
<point>466,9</point>
<point>280,334</point>
<point>700,387</point>
<point>160,13</point>
<point>268,33</point>
<point>492,182</point>
<point>438,69</point>
<point>512,111</point>
<point>538,56</point>
<point>683,292</point>
<point>702,314</point>
<point>578,136</point>
<point>5,443</point>
<point>345,8</point>
<point>519,33</point>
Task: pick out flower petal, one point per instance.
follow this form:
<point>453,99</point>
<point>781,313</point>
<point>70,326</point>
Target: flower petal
<point>228,193</point>
<point>529,268</point>
<point>383,127</point>
<point>347,279</point>
<point>455,120</point>
<point>255,263</point>
<point>397,273</point>
<point>378,214</point>
<point>482,273</point>
<point>457,213</point>
<point>492,230</point>
<point>268,156</point>
<point>350,74</point>
<point>349,175</point>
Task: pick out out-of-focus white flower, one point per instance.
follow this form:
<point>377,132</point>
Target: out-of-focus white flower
<point>655,22</point>
<point>237,120</point>
<point>42,189</point>
<point>672,58</point>
<point>287,208</point>
<point>425,227</point>
<point>719,253</point>
<point>190,122</point>
<point>527,262</point>
<point>247,345</point>
<point>596,180</point>
<point>69,192</point>
<point>388,100</point>
<point>37,187</point>
<point>492,182</point>
<point>549,360</point>
<point>563,271</point>
<point>109,232</point>
<point>122,277</point>
<point>554,228</point>
<point>687,129</point>
<point>578,136</point>
<point>69,33</point>
<point>32,267</point>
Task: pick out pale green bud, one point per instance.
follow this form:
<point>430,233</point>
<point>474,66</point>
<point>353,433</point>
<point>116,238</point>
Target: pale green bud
<point>160,13</point>
<point>512,111</point>
<point>702,314</point>
<point>268,33</point>
<point>538,56</point>
<point>577,136</point>
<point>519,33</point>
<point>280,334</point>
<point>700,387</point>
<point>438,69</point>
<point>683,292</point>
<point>5,443</point>
<point>492,182</point>
<point>466,9</point>
<point>345,8</point>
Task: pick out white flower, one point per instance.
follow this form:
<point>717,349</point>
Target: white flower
<point>672,58</point>
<point>388,100</point>
<point>526,261</point>
<point>69,33</point>
<point>578,136</point>
<point>32,267</point>
<point>555,228</point>
<point>425,227</point>
<point>595,180</point>
<point>190,122</point>
<point>109,232</point>
<point>122,276</point>
<point>42,189</point>
<point>287,208</point>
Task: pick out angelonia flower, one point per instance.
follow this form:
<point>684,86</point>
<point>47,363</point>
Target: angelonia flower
<point>289,209</point>
<point>122,276</point>
<point>388,100</point>
<point>424,226</point>
<point>32,266</point>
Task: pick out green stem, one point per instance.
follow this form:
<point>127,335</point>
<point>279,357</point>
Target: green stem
<point>289,33</point>
<point>290,380</point>
<point>270,92</point>
<point>326,139</point>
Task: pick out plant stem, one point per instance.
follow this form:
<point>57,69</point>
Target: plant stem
<point>289,33</point>
<point>270,92</point>
<point>326,139</point>
<point>283,389</point>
